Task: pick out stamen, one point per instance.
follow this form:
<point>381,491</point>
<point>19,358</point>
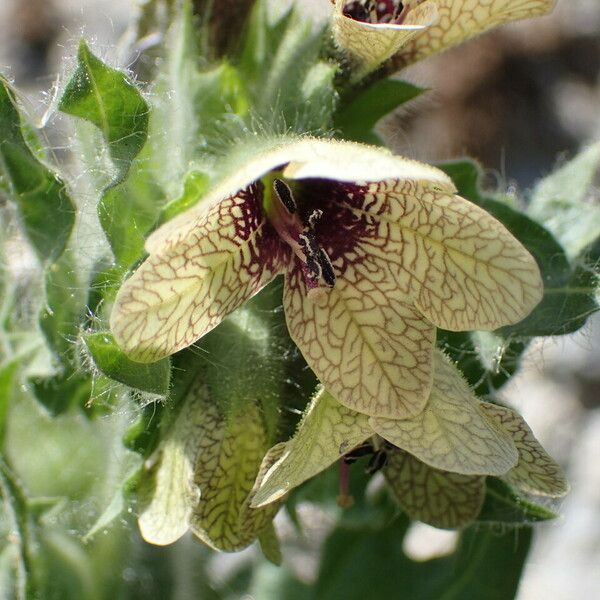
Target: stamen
<point>327,271</point>
<point>299,232</point>
<point>311,250</point>
<point>376,462</point>
<point>284,193</point>
<point>365,449</point>
<point>314,217</point>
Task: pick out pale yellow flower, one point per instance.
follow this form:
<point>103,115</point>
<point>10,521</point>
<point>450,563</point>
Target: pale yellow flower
<point>437,461</point>
<point>202,475</point>
<point>373,31</point>
<point>377,251</point>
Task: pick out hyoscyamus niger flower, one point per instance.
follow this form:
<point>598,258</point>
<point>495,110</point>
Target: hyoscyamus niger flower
<point>436,462</point>
<point>377,251</point>
<point>373,31</point>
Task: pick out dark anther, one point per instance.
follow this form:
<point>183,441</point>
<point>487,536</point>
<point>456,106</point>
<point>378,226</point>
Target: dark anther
<point>311,251</point>
<point>326,268</point>
<point>363,450</point>
<point>284,193</point>
<point>376,462</point>
<point>315,215</point>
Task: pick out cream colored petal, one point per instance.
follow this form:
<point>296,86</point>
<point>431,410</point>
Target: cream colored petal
<point>460,20</point>
<point>366,344</point>
<point>438,498</point>
<point>327,431</point>
<point>167,505</point>
<point>371,44</point>
<point>177,296</point>
<point>453,433</point>
<point>225,473</point>
<point>536,472</point>
<point>461,266</point>
<point>306,157</point>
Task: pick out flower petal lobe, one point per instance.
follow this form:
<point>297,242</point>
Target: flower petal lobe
<point>453,432</point>
<point>367,346</point>
<point>326,432</point>
<point>438,498</point>
<point>178,295</point>
<point>536,472</point>
<point>460,20</point>
<point>225,473</point>
<point>370,44</point>
<point>165,512</point>
<point>461,266</point>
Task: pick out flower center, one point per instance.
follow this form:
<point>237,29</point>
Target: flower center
<point>376,11</point>
<point>299,233</point>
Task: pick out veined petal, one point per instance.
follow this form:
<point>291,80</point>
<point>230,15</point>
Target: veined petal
<point>453,433</point>
<point>366,344</point>
<point>370,44</point>
<point>327,431</point>
<point>164,515</point>
<point>438,498</point>
<point>305,158</point>
<point>460,20</point>
<point>225,473</point>
<point>461,266</point>
<point>536,472</point>
<point>181,293</point>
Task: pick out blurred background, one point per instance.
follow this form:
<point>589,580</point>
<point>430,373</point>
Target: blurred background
<point>520,100</point>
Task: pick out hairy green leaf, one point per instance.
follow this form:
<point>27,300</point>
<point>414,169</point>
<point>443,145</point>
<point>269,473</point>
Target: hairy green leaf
<point>63,307</point>
<point>503,505</point>
<point>287,83</point>
<point>112,361</point>
<point>357,118</point>
<point>108,99</point>
<point>45,207</point>
<point>194,187</point>
<point>128,211</point>
<point>62,391</point>
<point>563,201</point>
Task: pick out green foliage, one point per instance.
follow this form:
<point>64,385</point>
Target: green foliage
<point>8,375</point>
<point>128,211</point>
<point>19,576</point>
<point>194,187</point>
<point>359,564</point>
<point>503,505</point>
<point>153,378</point>
<point>61,314</point>
<point>45,207</point>
<point>359,114</point>
<point>280,66</point>
<point>105,97</point>
<point>563,202</point>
